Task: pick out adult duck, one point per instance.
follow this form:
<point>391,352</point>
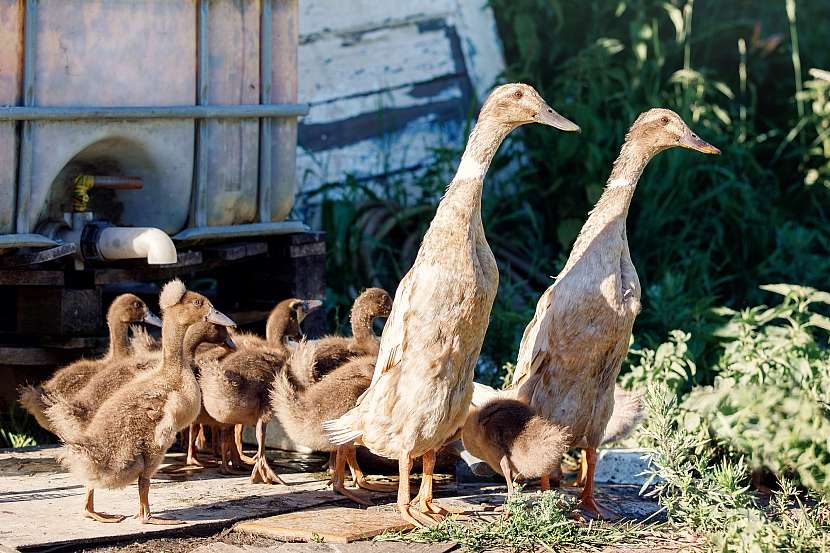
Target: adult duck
<point>572,349</point>
<point>423,378</point>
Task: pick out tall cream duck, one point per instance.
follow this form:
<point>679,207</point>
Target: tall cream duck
<point>124,311</point>
<point>423,378</point>
<point>133,428</point>
<point>572,349</point>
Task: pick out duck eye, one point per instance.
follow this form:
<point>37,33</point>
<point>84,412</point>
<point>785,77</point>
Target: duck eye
<point>197,303</point>
<point>518,94</point>
<point>664,120</point>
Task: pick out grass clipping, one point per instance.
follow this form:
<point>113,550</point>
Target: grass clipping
<point>529,522</point>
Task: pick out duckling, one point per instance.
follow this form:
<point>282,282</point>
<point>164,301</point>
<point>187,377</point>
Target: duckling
<point>125,310</point>
<point>133,428</point>
<point>513,440</point>
<point>302,410</point>
<point>333,351</point>
<point>572,349</point>
<point>235,388</point>
<point>423,379</point>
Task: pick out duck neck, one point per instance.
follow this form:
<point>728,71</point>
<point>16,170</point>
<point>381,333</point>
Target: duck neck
<point>275,330</point>
<point>466,186</point>
<point>612,207</point>
<point>361,320</point>
<point>172,345</point>
<point>119,346</point>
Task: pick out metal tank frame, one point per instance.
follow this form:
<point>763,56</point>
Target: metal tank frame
<point>265,112</point>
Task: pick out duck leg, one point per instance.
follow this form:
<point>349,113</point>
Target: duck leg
<point>507,471</point>
<point>583,469</point>
<point>237,434</point>
<point>359,478</point>
<point>544,482</point>
<point>90,512</point>
<point>410,515</point>
<point>144,505</point>
<point>227,449</point>
<point>587,502</point>
<point>424,497</point>
<point>262,471</point>
<point>338,479</point>
<point>200,441</point>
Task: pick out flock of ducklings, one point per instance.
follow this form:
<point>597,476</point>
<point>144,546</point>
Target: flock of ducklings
<point>403,395</point>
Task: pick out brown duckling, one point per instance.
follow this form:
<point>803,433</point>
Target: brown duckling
<point>235,388</point>
<point>125,310</point>
<point>133,428</point>
<point>513,440</point>
<point>301,410</point>
<point>333,351</point>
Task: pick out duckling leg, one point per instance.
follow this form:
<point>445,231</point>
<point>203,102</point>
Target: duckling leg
<point>507,471</point>
<point>587,502</point>
<point>90,512</point>
<point>338,479</point>
<point>201,440</point>
<point>359,478</point>
<point>237,434</point>
<point>544,482</point>
<point>424,497</point>
<point>410,515</point>
<point>227,448</point>
<point>262,471</point>
<point>144,505</point>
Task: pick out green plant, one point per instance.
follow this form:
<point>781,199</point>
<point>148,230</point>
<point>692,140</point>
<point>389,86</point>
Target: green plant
<point>18,429</point>
<point>530,522</point>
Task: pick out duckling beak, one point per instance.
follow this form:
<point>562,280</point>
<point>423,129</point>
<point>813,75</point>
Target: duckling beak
<point>308,307</point>
<point>230,344</point>
<point>218,318</point>
<point>547,116</point>
<point>693,142</point>
<point>152,319</point>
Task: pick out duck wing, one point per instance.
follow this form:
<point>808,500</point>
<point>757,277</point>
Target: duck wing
<point>534,350</point>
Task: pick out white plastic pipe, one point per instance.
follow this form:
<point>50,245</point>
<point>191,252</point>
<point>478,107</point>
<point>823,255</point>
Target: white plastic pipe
<point>137,243</point>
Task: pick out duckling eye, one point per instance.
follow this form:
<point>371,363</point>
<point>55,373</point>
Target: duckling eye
<point>518,94</point>
<point>197,303</point>
<point>664,120</point>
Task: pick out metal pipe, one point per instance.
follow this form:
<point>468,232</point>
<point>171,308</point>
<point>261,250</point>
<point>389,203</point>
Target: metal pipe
<point>137,243</point>
<point>24,187</point>
<point>264,188</point>
<point>235,111</point>
<point>199,214</point>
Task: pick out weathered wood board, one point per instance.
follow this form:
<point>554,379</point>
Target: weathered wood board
<point>331,524</point>
<point>388,82</point>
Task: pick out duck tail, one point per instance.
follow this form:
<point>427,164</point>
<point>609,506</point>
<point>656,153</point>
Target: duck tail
<point>33,400</point>
<point>543,453</point>
<point>628,413</point>
<point>142,342</point>
<point>341,431</point>
<point>68,419</point>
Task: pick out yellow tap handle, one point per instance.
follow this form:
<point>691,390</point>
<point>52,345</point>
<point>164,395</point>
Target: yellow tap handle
<point>80,192</point>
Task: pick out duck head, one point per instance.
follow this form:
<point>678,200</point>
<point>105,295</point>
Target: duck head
<point>659,129</point>
<point>187,308</point>
<point>210,333</point>
<point>128,308</point>
<point>517,104</point>
<point>286,318</point>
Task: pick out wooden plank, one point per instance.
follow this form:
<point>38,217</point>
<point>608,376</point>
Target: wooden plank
<point>332,68</point>
<point>31,278</point>
<point>335,524</point>
<point>335,16</point>
<point>233,252</point>
<point>39,256</point>
<point>35,357</point>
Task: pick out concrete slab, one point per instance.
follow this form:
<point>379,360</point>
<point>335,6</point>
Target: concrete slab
<point>40,502</point>
<point>622,466</point>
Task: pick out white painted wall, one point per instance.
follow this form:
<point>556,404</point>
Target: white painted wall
<point>388,81</point>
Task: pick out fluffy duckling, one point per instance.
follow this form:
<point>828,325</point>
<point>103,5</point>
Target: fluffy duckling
<point>513,440</point>
<point>235,388</point>
<point>124,311</point>
<point>331,352</point>
<point>133,428</point>
<point>302,410</point>
<point>423,379</point>
<point>572,349</point>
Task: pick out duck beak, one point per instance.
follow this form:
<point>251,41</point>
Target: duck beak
<point>694,142</point>
<point>218,318</point>
<point>230,344</point>
<point>547,116</point>
<point>152,319</point>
